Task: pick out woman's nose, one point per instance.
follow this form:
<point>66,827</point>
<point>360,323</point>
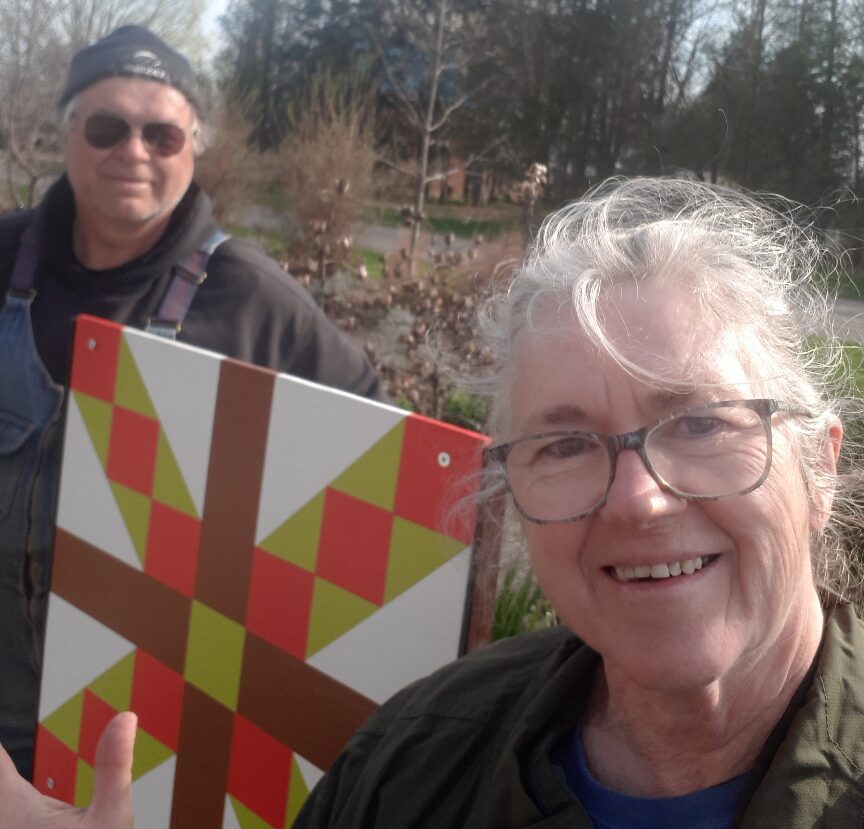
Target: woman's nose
<point>635,497</point>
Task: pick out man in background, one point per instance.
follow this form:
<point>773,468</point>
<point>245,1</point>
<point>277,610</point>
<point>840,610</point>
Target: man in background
<point>125,235</point>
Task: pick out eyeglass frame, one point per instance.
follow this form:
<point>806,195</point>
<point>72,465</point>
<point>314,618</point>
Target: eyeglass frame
<point>765,407</point>
<point>133,129</point>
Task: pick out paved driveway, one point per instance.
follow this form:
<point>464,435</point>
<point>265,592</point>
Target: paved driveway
<point>392,239</point>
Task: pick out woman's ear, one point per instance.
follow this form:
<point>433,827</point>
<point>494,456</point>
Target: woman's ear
<point>829,452</point>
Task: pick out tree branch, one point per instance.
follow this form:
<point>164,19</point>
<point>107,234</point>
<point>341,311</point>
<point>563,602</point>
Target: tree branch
<point>403,170</point>
<point>449,110</point>
<point>463,168</point>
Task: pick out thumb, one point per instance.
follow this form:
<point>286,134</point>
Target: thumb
<point>111,807</point>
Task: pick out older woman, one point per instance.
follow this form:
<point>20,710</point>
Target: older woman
<point>671,446</point>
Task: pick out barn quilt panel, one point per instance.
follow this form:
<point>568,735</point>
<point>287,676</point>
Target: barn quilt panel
<point>248,561</point>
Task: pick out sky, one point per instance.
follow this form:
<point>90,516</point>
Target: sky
<point>212,10</point>
<point>212,33</point>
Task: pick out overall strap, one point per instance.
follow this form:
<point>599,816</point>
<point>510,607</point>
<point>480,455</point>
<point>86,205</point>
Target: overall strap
<point>185,279</point>
<point>21,282</point>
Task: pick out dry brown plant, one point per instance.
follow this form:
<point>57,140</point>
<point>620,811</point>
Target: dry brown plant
<point>326,162</point>
<point>430,319</point>
<point>529,190</point>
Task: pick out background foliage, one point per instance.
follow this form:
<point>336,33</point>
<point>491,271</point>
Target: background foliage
<point>766,93</point>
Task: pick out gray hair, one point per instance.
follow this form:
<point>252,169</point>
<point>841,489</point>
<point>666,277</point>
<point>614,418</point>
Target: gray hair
<point>200,133</point>
<point>751,268</point>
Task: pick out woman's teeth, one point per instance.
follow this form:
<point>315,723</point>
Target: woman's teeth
<point>661,571</point>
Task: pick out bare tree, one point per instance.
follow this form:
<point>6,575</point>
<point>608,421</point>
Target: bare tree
<point>79,22</point>
<point>30,74</point>
<point>427,52</point>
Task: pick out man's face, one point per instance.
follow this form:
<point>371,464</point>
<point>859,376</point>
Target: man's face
<point>130,184</point>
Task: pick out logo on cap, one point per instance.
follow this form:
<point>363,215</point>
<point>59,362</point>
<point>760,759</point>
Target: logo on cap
<point>146,64</point>
<point>147,58</point>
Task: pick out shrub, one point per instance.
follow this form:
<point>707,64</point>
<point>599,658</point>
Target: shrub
<point>326,161</point>
<point>520,605</point>
<point>464,409</point>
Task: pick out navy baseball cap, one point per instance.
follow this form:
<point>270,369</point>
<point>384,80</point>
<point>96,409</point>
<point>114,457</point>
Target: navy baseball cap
<point>135,52</point>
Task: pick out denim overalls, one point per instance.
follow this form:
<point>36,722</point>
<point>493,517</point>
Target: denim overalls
<point>30,408</point>
<point>30,404</point>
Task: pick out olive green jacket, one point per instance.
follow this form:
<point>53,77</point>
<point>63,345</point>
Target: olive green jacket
<point>469,746</point>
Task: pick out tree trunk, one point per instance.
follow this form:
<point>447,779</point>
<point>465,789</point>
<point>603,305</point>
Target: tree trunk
<point>267,129</point>
<point>830,93</point>
<point>755,69</point>
<point>426,134</point>
<point>856,143</point>
<point>671,28</point>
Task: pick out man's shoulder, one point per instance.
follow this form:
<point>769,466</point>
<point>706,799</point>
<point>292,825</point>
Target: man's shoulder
<point>240,251</point>
<point>12,226</point>
<point>248,268</point>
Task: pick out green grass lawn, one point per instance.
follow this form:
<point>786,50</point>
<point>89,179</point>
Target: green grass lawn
<point>853,358</point>
<point>372,261</point>
<point>463,221</point>
<point>467,228</point>
<point>382,215</point>
<point>276,247</point>
<point>273,243</point>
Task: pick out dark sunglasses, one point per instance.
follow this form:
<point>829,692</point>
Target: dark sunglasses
<point>106,131</point>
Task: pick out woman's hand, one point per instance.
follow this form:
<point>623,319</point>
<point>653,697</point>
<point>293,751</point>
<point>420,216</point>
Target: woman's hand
<point>22,807</point>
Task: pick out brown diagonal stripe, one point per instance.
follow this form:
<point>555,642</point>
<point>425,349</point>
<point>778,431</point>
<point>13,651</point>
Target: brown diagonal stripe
<point>203,752</point>
<point>230,516</point>
<point>135,605</point>
<point>307,710</point>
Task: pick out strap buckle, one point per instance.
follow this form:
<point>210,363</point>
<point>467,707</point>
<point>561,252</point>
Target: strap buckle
<point>192,268</point>
<point>169,329</point>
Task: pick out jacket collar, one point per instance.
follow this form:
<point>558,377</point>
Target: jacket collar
<point>816,776</point>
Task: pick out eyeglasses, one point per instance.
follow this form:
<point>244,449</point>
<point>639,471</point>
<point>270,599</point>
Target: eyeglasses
<point>703,453</point>
<point>104,131</point>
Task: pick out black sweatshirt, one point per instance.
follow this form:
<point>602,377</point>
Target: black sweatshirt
<point>247,308</point>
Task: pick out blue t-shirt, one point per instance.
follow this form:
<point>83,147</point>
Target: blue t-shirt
<point>714,808</point>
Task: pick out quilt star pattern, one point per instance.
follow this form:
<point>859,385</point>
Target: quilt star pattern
<point>251,563</point>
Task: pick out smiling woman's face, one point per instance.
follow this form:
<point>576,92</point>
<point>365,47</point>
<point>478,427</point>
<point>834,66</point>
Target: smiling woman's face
<point>755,590</point>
